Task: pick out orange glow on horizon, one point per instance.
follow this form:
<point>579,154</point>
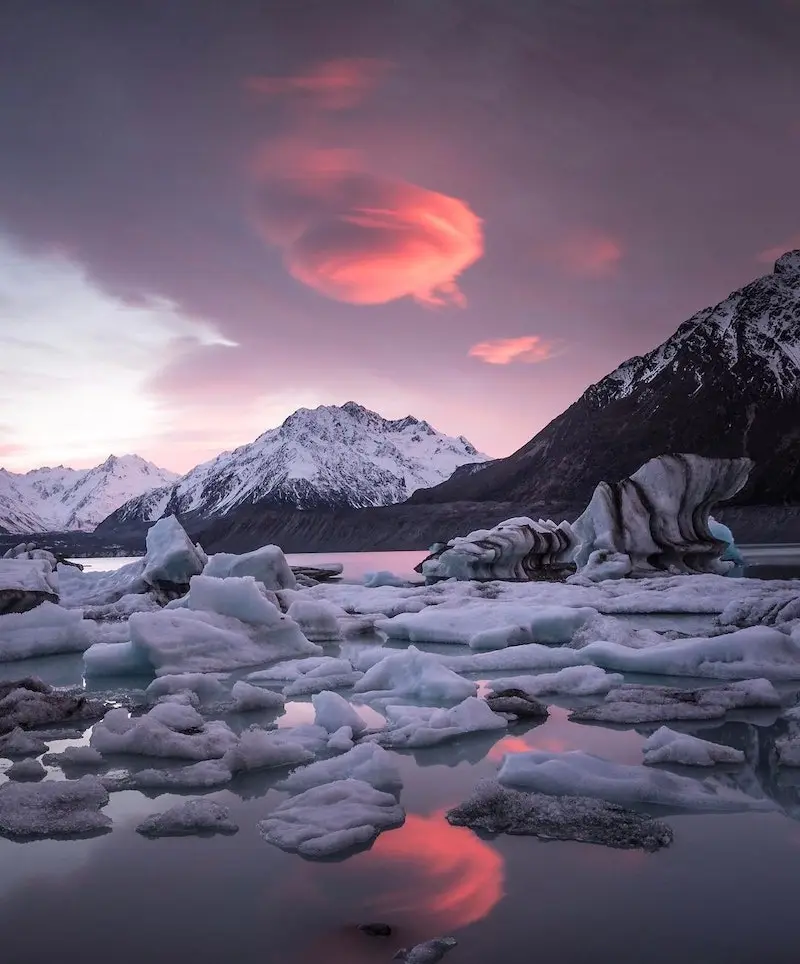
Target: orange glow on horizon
<point>530,349</point>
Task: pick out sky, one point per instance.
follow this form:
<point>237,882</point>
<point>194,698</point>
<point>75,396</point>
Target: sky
<point>212,214</point>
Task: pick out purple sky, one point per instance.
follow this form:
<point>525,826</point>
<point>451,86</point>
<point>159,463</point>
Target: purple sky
<point>214,213</point>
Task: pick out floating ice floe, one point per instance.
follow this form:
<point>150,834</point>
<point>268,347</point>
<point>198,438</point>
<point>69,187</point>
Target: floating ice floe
<point>53,808</point>
<point>374,580</point>
<point>26,583</point>
<point>20,743</point>
<point>207,687</point>
<point>186,819</point>
<point>246,698</point>
<point>220,624</point>
<point>583,774</point>
<point>367,762</point>
<point>517,548</point>
<point>779,607</point>
<point>483,626</point>
<point>43,631</point>
<point>669,746</point>
<point>207,774</point>
<point>412,674</point>
<point>332,818</point>
<point>75,757</point>
<point>657,520</point>
<point>745,654</point>
<point>317,619</point>
<point>332,712</point>
<point>260,749</point>
<point>307,676</point>
<point>418,726</point>
<point>633,703</point>
<point>496,809</point>
<point>167,730</point>
<point>26,770</point>
<point>266,565</point>
<point>29,702</point>
<point>570,681</point>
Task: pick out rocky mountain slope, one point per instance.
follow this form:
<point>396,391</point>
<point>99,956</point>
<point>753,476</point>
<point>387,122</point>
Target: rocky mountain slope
<point>726,384</point>
<point>327,457</point>
<point>63,499</point>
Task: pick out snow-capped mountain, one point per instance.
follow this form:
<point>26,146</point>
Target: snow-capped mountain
<point>726,384</point>
<point>329,456</point>
<point>60,498</point>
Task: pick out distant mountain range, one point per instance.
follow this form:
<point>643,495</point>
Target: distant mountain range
<point>62,499</point>
<point>726,384</point>
<point>327,457</point>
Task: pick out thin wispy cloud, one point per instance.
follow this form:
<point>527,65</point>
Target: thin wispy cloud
<point>338,84</point>
<point>768,255</point>
<point>584,253</point>
<point>529,349</point>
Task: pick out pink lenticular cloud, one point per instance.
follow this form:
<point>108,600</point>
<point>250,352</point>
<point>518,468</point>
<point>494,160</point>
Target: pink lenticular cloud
<point>586,253</point>
<point>772,254</point>
<point>360,238</point>
<point>333,85</point>
<point>502,351</point>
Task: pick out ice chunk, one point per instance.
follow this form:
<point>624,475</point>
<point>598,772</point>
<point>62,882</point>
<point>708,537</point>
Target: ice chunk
<point>418,726</point>
<point>20,743</point>
<point>583,774</point>
<point>373,580</point>
<point>248,698</point>
<point>74,756</point>
<point>533,656</point>
<point>367,762</point>
<point>487,625</point>
<point>428,952</point>
<point>496,809</point>
<point>53,808</point>
<point>332,712</point>
<point>721,532</point>
<point>317,620</point>
<point>185,819</point>
<point>25,584</point>
<point>341,740</point>
<point>266,565</point>
<point>259,749</point>
<point>205,774</point>
<point>331,818</point>
<point>651,704</point>
<point>43,631</point>
<point>207,686</point>
<point>669,746</point>
<point>412,674</point>
<point>744,654</point>
<point>312,675</point>
<point>168,730</point>
<point>30,702</point>
<point>570,681</point>
<point>26,770</point>
<point>171,559</point>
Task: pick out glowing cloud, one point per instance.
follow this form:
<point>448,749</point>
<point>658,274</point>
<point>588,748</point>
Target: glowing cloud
<point>360,238</point>
<point>332,85</point>
<point>586,253</point>
<point>459,878</point>
<point>502,351</point>
<point>772,254</point>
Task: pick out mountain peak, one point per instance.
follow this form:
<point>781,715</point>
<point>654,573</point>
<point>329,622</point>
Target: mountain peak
<point>788,264</point>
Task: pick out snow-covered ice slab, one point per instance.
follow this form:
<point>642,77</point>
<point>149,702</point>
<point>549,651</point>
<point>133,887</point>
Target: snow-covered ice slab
<point>53,808</point>
<point>651,704</point>
<point>332,818</point>
<point>488,626</point>
<point>582,774</point>
<point>221,624</point>
<point>26,770</point>
<point>207,774</point>
<point>266,565</point>
<point>26,583</point>
<point>246,698</point>
<point>657,520</point>
<point>367,762</point>
<point>419,726</point>
<point>19,743</point>
<point>207,687</point>
<point>171,730</point>
<point>318,620</point>
<point>44,631</point>
<point>186,819</point>
<point>412,674</point>
<point>496,809</point>
<point>669,746</point>
<point>75,757</point>
<point>745,654</point>
<point>260,749</point>
<point>570,681</point>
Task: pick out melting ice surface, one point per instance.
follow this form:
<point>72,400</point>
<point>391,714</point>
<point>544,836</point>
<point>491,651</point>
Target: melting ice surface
<point>724,891</point>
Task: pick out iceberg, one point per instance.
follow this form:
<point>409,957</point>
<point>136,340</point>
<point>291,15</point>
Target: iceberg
<point>570,681</point>
<point>75,757</point>
<point>332,712</point>
<point>367,762</point>
<point>167,730</point>
<point>412,674</point>
<point>313,675</point>
<point>410,727</point>
<point>669,746</point>
<point>266,565</point>
<point>26,770</point>
<point>247,698</point>
<point>331,818</point>
<point>260,749</point>
<point>185,819</point>
<point>171,559</point>
<point>53,808</point>
<point>20,743</point>
<point>25,583</point>
<point>657,521</point>
<point>317,620</point>
<point>44,631</point>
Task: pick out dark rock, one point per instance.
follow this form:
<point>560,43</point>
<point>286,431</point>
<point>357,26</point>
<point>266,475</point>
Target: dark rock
<point>376,929</point>
<point>29,703</point>
<point>22,600</point>
<point>429,952</point>
<point>517,702</point>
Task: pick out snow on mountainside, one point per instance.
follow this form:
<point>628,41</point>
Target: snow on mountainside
<point>328,456</point>
<point>726,384</point>
<point>60,499</point>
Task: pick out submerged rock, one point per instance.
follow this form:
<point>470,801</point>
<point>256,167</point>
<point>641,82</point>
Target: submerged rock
<point>428,952</point>
<point>495,809</point>
<point>518,703</point>
<point>376,929</point>
<point>29,702</point>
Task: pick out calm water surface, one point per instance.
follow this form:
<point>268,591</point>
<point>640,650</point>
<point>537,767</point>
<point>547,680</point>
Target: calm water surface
<point>725,891</point>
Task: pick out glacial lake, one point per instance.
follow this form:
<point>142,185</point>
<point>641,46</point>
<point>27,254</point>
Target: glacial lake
<point>723,893</point>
